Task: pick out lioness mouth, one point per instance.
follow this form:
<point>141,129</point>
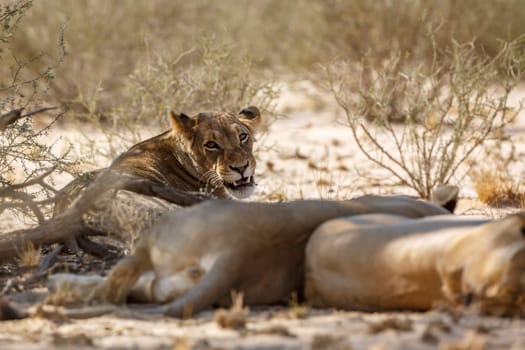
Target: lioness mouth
<point>244,182</point>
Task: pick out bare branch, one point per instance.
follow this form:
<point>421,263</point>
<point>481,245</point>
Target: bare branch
<point>9,118</point>
<point>70,223</point>
<point>34,181</point>
<point>12,116</point>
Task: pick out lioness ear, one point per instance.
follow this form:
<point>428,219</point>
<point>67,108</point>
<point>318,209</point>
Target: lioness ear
<point>181,123</point>
<point>251,116</point>
<point>445,196</point>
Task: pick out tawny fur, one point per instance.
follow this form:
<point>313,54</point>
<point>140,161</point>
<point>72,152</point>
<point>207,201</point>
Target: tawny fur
<point>180,158</point>
<point>385,262</point>
<point>256,248</point>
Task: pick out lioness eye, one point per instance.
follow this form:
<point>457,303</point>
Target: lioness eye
<point>243,137</point>
<point>212,145</point>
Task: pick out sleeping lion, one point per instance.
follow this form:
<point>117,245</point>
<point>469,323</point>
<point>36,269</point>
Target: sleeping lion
<point>387,262</point>
<point>407,258</point>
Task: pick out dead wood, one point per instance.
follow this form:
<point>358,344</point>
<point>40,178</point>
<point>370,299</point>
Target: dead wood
<point>21,282</point>
<point>101,251</point>
<point>24,199</point>
<point>66,225</point>
<point>84,312</point>
<point>70,223</point>
<point>49,259</point>
<point>10,117</point>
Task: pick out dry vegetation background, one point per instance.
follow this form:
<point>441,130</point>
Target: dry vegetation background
<point>429,92</point>
<point>117,66</point>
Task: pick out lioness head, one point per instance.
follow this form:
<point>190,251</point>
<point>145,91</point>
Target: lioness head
<point>220,147</point>
<point>491,263</point>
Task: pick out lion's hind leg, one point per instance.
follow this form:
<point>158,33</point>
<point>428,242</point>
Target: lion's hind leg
<point>125,274</point>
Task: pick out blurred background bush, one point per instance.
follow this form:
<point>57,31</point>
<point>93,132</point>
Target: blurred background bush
<point>112,43</point>
<point>120,65</point>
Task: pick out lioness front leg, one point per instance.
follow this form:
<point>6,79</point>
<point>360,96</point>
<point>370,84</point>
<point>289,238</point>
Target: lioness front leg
<point>214,285</point>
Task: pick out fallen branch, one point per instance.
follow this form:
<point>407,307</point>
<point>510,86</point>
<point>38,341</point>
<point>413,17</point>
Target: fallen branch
<point>10,117</point>
<point>25,200</point>
<point>84,312</point>
<point>70,223</point>
<point>62,227</point>
<point>20,282</point>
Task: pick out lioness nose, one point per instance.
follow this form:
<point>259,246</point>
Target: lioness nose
<point>241,169</point>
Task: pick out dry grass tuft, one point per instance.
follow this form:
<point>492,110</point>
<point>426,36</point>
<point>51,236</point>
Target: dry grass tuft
<point>235,316</point>
<point>498,188</point>
<point>29,254</point>
<point>394,323</point>
<point>297,309</point>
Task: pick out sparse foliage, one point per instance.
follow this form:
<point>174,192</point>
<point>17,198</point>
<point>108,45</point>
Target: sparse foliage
<point>424,122</point>
<point>297,309</point>
<point>208,77</point>
<point>26,162</point>
<point>108,38</point>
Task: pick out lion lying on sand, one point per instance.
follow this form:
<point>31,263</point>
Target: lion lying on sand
<point>191,259</point>
<point>387,262</point>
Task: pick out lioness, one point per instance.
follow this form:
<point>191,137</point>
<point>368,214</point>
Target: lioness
<point>209,152</point>
<point>257,248</point>
<point>384,262</point>
<point>368,262</point>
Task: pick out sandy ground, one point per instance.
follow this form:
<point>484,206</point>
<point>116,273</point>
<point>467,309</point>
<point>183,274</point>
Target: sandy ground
<point>306,155</point>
